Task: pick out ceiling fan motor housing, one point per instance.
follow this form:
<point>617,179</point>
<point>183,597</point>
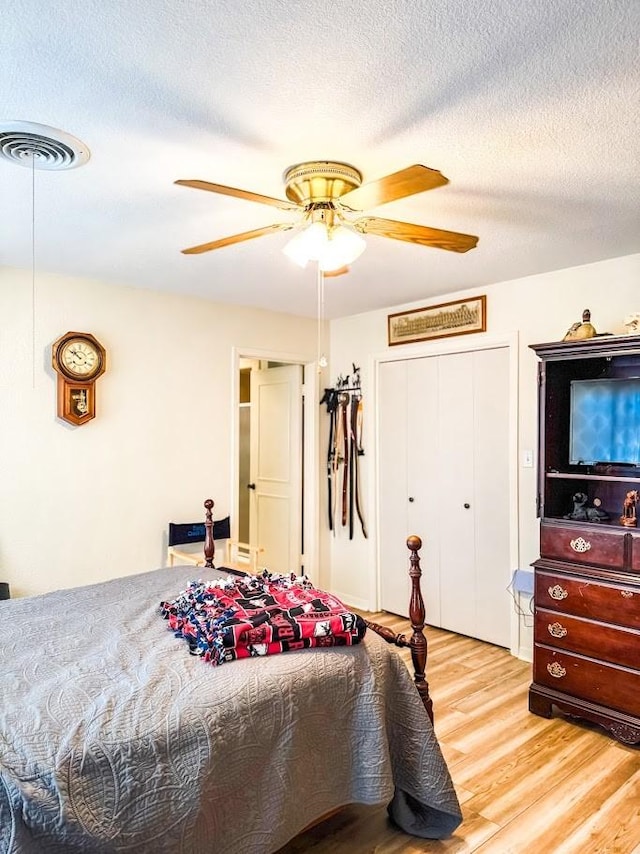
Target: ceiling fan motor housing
<point>320,181</point>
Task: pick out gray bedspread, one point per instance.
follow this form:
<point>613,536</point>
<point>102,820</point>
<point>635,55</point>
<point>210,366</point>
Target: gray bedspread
<point>114,738</point>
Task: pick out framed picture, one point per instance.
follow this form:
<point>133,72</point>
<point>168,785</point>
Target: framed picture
<point>438,321</point>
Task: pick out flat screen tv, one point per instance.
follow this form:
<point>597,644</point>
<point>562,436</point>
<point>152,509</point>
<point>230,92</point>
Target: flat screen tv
<point>605,422</point>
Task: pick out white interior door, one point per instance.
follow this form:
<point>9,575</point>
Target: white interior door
<point>276,466</point>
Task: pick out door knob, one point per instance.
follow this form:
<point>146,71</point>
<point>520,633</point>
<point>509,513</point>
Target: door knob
<point>466,505</point>
<point>411,499</point>
<point>251,486</point>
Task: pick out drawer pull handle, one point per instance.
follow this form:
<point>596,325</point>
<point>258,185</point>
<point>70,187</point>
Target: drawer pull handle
<point>556,670</point>
<point>556,630</point>
<point>627,594</point>
<point>558,592</point>
<point>580,545</point>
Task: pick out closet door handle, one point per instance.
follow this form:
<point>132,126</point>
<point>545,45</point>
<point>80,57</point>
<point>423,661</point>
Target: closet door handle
<point>466,505</point>
<point>251,486</point>
<point>411,499</point>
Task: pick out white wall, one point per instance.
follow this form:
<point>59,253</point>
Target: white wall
<point>538,308</point>
<point>82,504</point>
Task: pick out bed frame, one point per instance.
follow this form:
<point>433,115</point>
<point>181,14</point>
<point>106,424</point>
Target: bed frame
<point>418,642</point>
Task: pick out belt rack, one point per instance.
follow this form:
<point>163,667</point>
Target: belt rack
<point>345,408</point>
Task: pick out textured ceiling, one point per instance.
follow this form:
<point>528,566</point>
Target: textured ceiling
<point>530,109</point>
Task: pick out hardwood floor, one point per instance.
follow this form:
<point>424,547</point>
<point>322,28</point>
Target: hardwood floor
<point>525,784</point>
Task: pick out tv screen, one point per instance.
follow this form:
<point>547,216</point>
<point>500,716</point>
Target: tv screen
<point>605,422</point>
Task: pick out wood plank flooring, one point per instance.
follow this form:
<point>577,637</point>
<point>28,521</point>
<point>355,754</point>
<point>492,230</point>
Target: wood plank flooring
<point>525,784</point>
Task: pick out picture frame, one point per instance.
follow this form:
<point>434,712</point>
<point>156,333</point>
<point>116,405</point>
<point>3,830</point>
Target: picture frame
<point>458,317</point>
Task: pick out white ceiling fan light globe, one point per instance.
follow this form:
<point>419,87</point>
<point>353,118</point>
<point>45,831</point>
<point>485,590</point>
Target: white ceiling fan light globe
<point>344,246</point>
<point>308,245</point>
<point>317,238</point>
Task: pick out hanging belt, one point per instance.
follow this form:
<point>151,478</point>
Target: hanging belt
<point>353,470</point>
<point>330,397</point>
<point>343,402</point>
<point>336,463</point>
<point>359,452</point>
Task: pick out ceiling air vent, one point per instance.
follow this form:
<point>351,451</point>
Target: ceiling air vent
<point>41,147</point>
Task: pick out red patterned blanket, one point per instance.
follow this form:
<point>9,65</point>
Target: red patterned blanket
<point>259,615</point>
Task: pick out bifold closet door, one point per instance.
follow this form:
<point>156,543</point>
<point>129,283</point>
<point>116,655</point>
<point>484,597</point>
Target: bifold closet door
<point>443,445</point>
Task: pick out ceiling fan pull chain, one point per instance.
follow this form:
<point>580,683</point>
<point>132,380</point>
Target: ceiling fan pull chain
<point>322,359</point>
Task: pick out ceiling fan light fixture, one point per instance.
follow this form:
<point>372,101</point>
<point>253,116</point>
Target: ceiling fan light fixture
<point>333,247</point>
<point>308,245</point>
<point>344,246</point>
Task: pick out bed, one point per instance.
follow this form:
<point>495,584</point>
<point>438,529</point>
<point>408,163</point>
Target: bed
<point>113,738</point>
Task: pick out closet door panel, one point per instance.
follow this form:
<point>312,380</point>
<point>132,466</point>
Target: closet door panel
<point>392,484</point>
<point>424,476</point>
<point>455,490</point>
<point>491,498</point>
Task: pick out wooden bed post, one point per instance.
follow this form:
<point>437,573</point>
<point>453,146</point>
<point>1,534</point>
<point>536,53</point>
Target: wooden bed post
<point>209,545</point>
<point>418,641</point>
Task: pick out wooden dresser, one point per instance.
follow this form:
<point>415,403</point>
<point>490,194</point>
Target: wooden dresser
<point>587,579</point>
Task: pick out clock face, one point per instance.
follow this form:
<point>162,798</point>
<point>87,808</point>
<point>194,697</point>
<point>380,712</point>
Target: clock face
<point>80,358</point>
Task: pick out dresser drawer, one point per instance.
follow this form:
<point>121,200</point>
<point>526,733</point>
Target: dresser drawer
<point>583,544</point>
<point>597,640</point>
<point>583,597</point>
<point>587,678</point>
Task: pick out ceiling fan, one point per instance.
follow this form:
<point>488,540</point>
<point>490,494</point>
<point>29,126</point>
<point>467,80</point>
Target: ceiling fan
<point>329,193</point>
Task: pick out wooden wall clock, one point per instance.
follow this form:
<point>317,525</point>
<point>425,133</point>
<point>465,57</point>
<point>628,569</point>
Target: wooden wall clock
<point>79,359</point>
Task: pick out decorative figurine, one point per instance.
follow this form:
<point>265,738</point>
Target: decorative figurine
<point>582,513</point>
<point>631,323</point>
<point>581,330</point>
<point>628,518</point>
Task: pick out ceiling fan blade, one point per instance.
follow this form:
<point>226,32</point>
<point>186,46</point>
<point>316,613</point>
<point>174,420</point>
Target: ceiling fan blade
<point>421,234</point>
<point>406,182</point>
<point>240,194</point>
<point>329,274</point>
<point>237,238</point>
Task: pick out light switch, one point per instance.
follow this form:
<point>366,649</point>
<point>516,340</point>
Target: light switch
<point>527,459</point>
